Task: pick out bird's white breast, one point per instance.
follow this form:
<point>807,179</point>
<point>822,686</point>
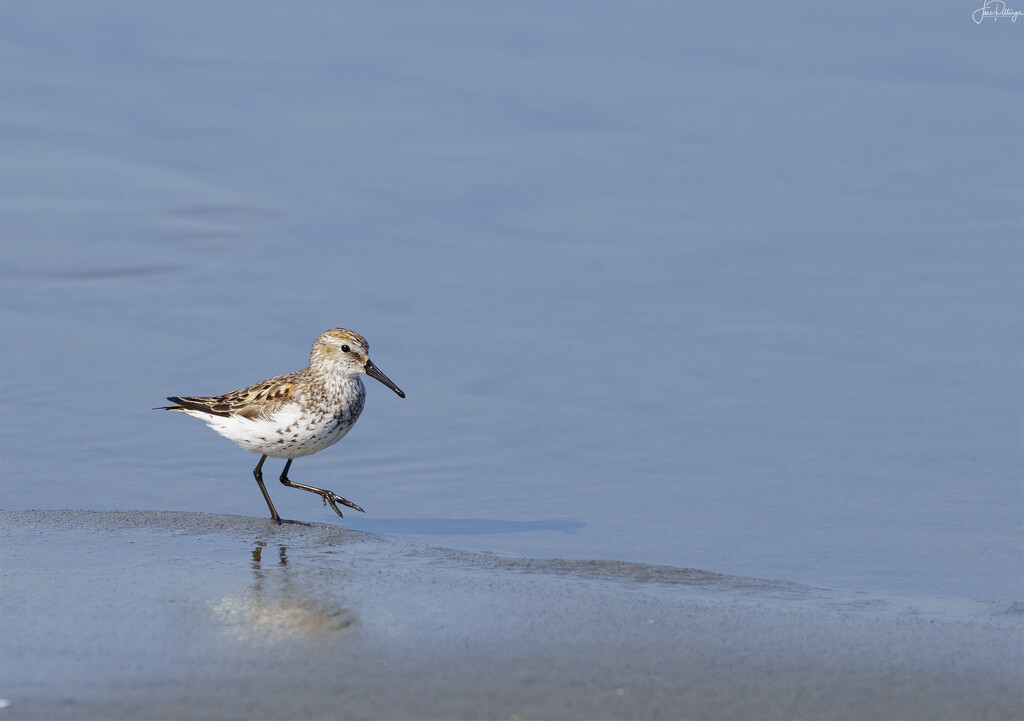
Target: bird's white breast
<point>294,430</point>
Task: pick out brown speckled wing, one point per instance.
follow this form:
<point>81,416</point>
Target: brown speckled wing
<point>260,399</point>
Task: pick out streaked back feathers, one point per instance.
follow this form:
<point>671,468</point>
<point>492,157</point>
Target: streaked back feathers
<point>260,399</point>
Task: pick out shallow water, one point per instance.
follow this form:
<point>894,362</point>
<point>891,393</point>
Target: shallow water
<point>191,615</point>
<point>738,291</point>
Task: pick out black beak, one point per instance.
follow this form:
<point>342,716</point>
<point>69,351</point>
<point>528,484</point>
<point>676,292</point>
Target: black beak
<point>374,372</point>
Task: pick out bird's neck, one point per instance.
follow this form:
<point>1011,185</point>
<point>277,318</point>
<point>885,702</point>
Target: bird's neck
<point>341,385</point>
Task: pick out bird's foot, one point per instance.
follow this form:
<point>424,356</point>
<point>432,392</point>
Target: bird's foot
<point>334,499</point>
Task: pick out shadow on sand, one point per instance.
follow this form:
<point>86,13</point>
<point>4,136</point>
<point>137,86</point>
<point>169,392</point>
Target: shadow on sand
<point>463,526</point>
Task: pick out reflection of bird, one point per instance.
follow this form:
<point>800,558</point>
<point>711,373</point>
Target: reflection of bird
<point>257,619</point>
<point>295,414</point>
<point>279,606</point>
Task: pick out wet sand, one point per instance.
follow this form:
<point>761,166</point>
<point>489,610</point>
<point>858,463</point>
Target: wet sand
<point>143,614</point>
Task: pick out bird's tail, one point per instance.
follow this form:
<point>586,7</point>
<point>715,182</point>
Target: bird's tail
<point>192,404</point>
<point>173,399</point>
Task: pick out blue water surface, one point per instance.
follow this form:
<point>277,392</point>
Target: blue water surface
<point>727,286</point>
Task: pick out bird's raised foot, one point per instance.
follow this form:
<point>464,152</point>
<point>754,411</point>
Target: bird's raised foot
<point>334,499</point>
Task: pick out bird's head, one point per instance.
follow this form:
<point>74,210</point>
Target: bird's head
<point>348,352</point>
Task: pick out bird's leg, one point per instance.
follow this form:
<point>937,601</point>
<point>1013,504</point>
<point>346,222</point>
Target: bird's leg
<point>258,473</point>
<point>328,496</point>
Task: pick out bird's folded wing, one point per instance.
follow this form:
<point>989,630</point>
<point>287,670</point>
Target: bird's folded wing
<point>261,399</point>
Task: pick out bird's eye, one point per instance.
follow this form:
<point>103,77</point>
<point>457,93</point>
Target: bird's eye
<point>345,349</point>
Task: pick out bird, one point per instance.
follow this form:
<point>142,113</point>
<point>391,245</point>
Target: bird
<point>295,414</point>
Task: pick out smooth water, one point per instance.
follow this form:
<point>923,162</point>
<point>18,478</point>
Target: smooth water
<point>732,287</point>
<point>185,615</point>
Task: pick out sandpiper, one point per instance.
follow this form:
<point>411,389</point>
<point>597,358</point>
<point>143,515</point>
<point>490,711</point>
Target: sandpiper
<point>298,413</point>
